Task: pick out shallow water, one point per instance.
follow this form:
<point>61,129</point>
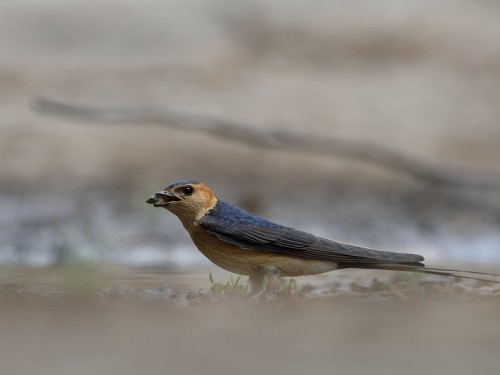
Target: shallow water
<point>44,228</point>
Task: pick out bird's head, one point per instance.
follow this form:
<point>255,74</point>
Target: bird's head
<point>188,199</point>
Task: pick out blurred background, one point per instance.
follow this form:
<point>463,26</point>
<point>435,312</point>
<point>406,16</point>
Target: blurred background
<point>421,78</point>
<point>420,81</point>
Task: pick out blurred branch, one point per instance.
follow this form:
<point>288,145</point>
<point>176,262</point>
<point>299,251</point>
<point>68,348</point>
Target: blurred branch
<point>275,139</point>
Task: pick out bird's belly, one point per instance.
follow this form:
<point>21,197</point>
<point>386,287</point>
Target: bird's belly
<point>252,262</point>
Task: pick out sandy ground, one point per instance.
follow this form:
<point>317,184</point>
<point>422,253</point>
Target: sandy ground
<point>447,328</point>
<point>128,338</point>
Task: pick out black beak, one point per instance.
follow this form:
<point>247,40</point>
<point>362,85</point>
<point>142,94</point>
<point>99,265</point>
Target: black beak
<point>161,198</point>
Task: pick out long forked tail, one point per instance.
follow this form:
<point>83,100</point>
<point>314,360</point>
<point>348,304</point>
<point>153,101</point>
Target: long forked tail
<point>462,274</point>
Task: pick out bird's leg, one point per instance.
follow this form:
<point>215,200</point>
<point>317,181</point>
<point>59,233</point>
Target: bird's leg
<point>256,284</point>
<point>267,281</point>
<point>273,280</point>
<point>268,277</point>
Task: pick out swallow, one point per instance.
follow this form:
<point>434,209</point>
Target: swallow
<point>245,244</point>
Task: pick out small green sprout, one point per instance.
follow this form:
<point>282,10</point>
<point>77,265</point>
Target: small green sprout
<point>233,288</point>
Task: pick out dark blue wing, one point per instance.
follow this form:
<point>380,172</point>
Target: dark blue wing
<point>237,227</point>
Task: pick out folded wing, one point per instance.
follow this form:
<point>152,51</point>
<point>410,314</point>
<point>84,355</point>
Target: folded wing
<point>237,227</point>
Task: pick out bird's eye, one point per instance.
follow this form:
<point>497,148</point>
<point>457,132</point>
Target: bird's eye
<point>188,190</point>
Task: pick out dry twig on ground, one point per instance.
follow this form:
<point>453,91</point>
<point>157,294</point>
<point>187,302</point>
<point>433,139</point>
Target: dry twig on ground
<point>273,138</point>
